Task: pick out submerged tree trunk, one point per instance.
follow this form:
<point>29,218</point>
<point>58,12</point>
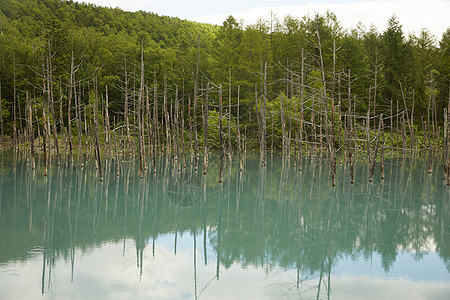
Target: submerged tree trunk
<point>52,103</point>
<point>263,117</point>
<point>69,108</point>
<point>238,131</point>
<point>220,137</point>
<point>30,129</point>
<point>325,122</point>
<point>44,115</point>
<point>96,130</point>
<point>127,122</point>
<point>374,159</point>
<point>155,122</point>
<point>16,142</point>
<point>140,99</point>
<point>205,129</point>
<point>79,127</point>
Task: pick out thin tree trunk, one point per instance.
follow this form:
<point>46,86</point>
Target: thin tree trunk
<point>155,122</point>
<point>16,143</point>
<point>62,129</point>
<point>375,87</point>
<point>205,130</point>
<point>191,145</point>
<point>302,88</point>
<point>96,130</point>
<point>382,151</point>
<point>332,138</point>
<point>52,103</point>
<point>258,121</point>
<point>116,155</point>
<point>411,126</point>
<point>79,128</point>
<point>404,142</point>
<point>374,160</point>
<point>140,99</point>
<point>30,129</point>
<point>430,150</point>
<point>127,122</point>
<point>349,130</point>
<point>263,116</point>
<point>69,108</point>
<point>325,122</point>
<point>177,130</point>
<point>220,137</point>
<point>166,115</point>
<point>195,106</point>
<point>369,155</point>
<point>37,127</point>
<point>445,143</point>
<point>44,115</point>
<point>229,116</point>
<point>239,131</point>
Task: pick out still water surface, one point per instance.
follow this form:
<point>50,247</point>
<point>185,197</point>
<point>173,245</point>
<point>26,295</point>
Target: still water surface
<point>266,233</point>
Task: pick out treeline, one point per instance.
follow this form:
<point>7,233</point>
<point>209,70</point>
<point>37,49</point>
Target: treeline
<point>294,83</point>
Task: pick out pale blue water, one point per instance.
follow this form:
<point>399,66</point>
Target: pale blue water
<point>266,233</point>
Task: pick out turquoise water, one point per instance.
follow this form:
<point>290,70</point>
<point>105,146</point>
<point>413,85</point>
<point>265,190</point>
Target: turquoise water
<point>264,233</point>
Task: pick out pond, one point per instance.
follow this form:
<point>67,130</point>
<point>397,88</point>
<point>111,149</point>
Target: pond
<point>268,232</point>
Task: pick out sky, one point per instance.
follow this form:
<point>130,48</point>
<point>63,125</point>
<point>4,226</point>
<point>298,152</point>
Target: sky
<point>413,15</point>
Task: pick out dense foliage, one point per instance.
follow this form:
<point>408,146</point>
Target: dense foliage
<point>387,69</point>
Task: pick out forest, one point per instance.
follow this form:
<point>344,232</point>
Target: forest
<point>79,76</point>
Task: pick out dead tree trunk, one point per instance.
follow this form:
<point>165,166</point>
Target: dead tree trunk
<point>166,115</point>
<point>177,129</point>
<point>107,124</point>
<point>429,130</point>
<point>52,103</point>
<point>349,130</point>
<point>79,127</point>
<point>229,116</point>
<point>374,160</point>
<point>238,131</point>
<point>140,99</point>
<point>445,143</point>
<point>205,130</point>
<point>30,129</point>
<point>404,142</point>
<point>116,155</point>
<point>302,88</point>
<point>325,122</point>
<point>369,154</point>
<point>258,121</point>
<point>69,108</point>
<point>62,129</point>
<point>263,116</point>
<point>96,130</point>
<point>44,115</point>
<point>16,143</point>
<point>191,145</point>
<point>220,137</point>
<point>375,87</point>
<point>382,151</point>
<point>155,122</point>
<point>332,139</point>
<point>127,122</point>
<point>195,105</point>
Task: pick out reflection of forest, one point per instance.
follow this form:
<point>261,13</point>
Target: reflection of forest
<point>262,216</point>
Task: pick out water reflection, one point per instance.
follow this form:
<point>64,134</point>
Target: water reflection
<point>281,231</point>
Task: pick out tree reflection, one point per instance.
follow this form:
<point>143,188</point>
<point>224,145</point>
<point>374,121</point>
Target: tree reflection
<point>265,216</point>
